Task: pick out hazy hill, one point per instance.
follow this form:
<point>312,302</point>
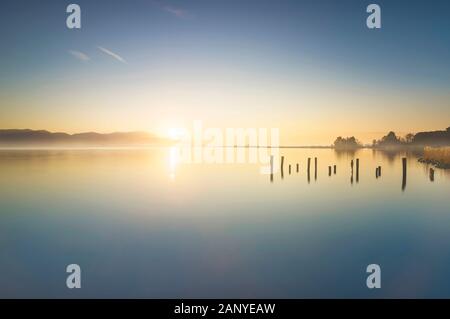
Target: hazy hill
<point>18,137</point>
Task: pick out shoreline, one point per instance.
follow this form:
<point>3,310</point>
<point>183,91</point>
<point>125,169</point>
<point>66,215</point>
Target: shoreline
<point>434,163</point>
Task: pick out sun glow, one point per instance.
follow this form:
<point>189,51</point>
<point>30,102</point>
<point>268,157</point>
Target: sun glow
<point>176,133</point>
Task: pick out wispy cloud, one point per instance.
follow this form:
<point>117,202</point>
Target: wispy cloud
<point>112,54</point>
<point>175,11</point>
<point>178,12</point>
<point>79,55</point>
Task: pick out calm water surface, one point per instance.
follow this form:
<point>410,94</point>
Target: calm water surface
<point>141,225</point>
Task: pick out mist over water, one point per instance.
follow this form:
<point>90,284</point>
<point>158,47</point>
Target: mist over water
<point>142,225</point>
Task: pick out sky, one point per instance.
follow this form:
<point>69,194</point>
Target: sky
<point>311,68</point>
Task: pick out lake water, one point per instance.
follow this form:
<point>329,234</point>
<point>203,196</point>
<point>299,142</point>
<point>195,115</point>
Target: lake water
<point>141,225</point>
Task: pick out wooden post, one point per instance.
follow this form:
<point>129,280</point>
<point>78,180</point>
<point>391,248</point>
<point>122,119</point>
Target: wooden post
<point>351,178</point>
<point>329,170</point>
<point>376,172</point>
<point>432,174</point>
<point>309,169</point>
<point>315,168</point>
<point>404,173</point>
<point>289,169</point>
<point>379,171</point>
<point>271,168</point>
<point>297,167</point>
<point>271,164</point>
<point>282,166</point>
<point>357,170</point>
<point>334,169</point>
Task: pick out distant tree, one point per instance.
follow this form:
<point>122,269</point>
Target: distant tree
<point>389,140</point>
<point>433,138</point>
<point>349,142</point>
<point>409,138</point>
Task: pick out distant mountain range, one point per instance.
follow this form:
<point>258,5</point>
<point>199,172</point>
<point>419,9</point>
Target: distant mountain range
<point>26,137</point>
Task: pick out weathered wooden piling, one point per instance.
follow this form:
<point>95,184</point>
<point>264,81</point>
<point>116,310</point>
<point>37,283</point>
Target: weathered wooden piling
<point>378,172</point>
<point>357,170</point>
<point>271,168</point>
<point>271,164</point>
<point>282,162</point>
<point>309,169</point>
<point>404,173</point>
<point>432,174</point>
<point>334,169</point>
<point>315,168</point>
<point>289,169</point>
<point>298,167</point>
<point>351,177</point>
<point>329,170</point>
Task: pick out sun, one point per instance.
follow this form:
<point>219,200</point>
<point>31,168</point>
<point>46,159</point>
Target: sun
<point>176,133</point>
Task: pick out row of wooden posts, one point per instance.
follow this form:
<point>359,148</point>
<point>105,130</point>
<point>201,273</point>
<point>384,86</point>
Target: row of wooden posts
<point>334,169</point>
<point>330,168</point>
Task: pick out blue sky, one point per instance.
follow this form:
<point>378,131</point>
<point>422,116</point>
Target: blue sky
<point>249,63</point>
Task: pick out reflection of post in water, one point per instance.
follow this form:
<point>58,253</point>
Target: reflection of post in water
<point>404,173</point>
<point>271,168</point>
<point>315,168</point>
<point>432,174</point>
<point>282,166</point>
<point>357,170</point>
<point>309,169</point>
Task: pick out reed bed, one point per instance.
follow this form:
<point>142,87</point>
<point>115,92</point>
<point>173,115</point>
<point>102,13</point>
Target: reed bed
<point>439,155</point>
